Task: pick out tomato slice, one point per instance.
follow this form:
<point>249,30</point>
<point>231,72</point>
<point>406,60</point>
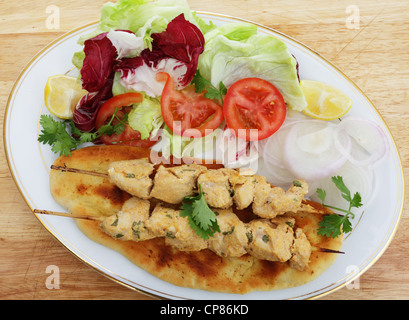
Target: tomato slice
<point>186,112</point>
<point>254,104</point>
<point>122,103</point>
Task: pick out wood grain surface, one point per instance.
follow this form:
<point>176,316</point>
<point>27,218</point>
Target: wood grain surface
<point>374,55</point>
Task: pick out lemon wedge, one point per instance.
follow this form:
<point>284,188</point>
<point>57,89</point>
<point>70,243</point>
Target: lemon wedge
<point>61,95</point>
<point>324,101</point>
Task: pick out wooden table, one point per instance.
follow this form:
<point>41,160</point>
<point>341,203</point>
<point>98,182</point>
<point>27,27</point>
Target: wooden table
<point>374,55</point>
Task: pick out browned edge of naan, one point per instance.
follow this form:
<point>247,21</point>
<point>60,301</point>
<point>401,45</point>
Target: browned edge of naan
<point>96,196</point>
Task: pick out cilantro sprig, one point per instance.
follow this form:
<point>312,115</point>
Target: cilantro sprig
<point>333,225</point>
<point>201,218</point>
<point>64,136</point>
<point>202,84</point>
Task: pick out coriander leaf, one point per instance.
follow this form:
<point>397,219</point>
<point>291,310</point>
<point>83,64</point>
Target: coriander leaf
<point>202,214</point>
<point>339,183</point>
<point>333,225</point>
<point>222,88</point>
<point>62,141</point>
<point>55,134</point>
<point>118,128</point>
<point>356,200</point>
<point>88,137</point>
<point>346,225</point>
<point>213,93</point>
<point>74,130</point>
<point>321,194</point>
<point>201,84</point>
<point>201,218</point>
<point>330,226</point>
<point>82,136</point>
<point>106,129</point>
<point>186,211</point>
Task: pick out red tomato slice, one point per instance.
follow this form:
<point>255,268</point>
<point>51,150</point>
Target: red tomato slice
<point>128,136</point>
<point>186,112</point>
<point>254,103</point>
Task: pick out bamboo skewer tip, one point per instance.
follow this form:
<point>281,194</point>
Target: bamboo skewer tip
<point>75,170</point>
<point>64,214</point>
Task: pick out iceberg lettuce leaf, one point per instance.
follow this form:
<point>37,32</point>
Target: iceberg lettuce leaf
<point>236,51</point>
<point>146,117</point>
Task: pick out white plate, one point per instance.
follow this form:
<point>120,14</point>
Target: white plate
<point>30,161</point>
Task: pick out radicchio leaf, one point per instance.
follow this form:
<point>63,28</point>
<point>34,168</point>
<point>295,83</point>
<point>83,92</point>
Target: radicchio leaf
<point>128,64</point>
<point>100,55</point>
<point>182,41</point>
<point>174,51</point>
<point>97,78</point>
<point>87,108</point>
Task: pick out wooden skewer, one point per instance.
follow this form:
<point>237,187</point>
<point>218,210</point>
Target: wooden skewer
<point>64,214</point>
<point>105,175</point>
<point>326,250</point>
<point>69,215</point>
<point>67,169</point>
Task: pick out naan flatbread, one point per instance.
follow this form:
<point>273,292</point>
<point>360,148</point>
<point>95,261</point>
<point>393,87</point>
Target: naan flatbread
<point>96,196</point>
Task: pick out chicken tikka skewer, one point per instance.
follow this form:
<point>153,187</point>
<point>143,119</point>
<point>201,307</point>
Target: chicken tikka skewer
<point>274,239</point>
<point>270,238</point>
<point>221,187</point>
<point>266,239</point>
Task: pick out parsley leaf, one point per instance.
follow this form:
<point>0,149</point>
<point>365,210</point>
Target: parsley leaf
<point>202,84</point>
<point>333,225</point>
<point>55,134</point>
<point>201,218</point>
<point>356,201</point>
<point>64,136</point>
<point>321,194</point>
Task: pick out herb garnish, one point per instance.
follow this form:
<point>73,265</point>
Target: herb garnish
<point>333,224</point>
<point>202,84</point>
<point>62,141</point>
<point>201,218</point>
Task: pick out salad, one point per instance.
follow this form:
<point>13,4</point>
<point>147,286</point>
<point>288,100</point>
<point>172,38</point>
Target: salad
<point>155,75</point>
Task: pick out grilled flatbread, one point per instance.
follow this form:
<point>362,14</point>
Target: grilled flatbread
<point>96,196</point>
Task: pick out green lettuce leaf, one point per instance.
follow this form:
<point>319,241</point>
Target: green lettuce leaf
<point>235,51</point>
<point>146,117</point>
<point>135,14</point>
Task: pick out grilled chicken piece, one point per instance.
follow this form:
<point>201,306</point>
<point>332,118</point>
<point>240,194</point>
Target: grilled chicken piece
<point>243,184</point>
<point>132,176</point>
<point>128,224</point>
<point>270,202</point>
<point>172,184</point>
<point>231,240</point>
<point>270,239</point>
<point>216,187</point>
<point>221,187</point>
<point>166,222</point>
<point>301,251</point>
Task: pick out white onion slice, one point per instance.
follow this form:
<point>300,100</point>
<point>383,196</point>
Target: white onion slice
<point>235,152</point>
<point>309,151</point>
<point>357,179</point>
<point>369,142</point>
<point>273,148</point>
<point>275,175</point>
